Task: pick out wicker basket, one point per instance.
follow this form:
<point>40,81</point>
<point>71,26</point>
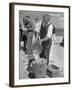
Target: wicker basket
<point>39,68</point>
<point>53,71</point>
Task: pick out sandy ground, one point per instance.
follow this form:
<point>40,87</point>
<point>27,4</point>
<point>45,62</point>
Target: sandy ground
<point>56,57</point>
<point>57,53</point>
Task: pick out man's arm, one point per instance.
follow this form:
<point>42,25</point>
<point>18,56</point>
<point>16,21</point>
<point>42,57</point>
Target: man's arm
<point>45,39</point>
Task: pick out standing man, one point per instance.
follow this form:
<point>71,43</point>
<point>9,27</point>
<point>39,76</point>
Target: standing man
<point>23,32</point>
<point>27,33</point>
<point>37,28</point>
<point>46,37</point>
<point>30,30</point>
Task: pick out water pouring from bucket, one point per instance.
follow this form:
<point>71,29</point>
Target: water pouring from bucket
<point>37,49</point>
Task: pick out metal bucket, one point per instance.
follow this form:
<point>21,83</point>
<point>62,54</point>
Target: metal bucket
<point>37,46</point>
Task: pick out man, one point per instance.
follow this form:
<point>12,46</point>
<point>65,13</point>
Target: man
<point>37,28</point>
<point>25,28</point>
<point>46,36</point>
<point>30,27</point>
<point>23,32</point>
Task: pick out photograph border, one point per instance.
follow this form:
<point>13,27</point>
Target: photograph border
<point>11,43</point>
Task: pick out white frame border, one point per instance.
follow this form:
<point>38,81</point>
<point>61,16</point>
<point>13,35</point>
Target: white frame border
<point>16,45</point>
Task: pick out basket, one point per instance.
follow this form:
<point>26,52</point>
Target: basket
<point>39,68</point>
<point>53,71</point>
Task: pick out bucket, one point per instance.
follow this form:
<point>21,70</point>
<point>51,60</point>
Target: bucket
<point>39,68</point>
<point>37,46</point>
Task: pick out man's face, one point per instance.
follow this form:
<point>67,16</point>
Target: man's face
<point>46,19</point>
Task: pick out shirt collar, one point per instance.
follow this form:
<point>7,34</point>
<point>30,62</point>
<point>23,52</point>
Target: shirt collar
<point>48,23</point>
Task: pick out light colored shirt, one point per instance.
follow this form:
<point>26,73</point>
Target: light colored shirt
<point>38,26</point>
<point>50,30</point>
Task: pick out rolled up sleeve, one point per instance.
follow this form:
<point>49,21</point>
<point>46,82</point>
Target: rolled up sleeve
<point>50,29</point>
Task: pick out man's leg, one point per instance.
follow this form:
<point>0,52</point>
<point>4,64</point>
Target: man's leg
<point>29,43</point>
<point>42,55</point>
<point>47,53</point>
<point>25,41</point>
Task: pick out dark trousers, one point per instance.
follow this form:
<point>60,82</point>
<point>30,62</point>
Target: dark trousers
<point>46,50</point>
<point>23,37</point>
<point>29,42</point>
<point>25,41</point>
